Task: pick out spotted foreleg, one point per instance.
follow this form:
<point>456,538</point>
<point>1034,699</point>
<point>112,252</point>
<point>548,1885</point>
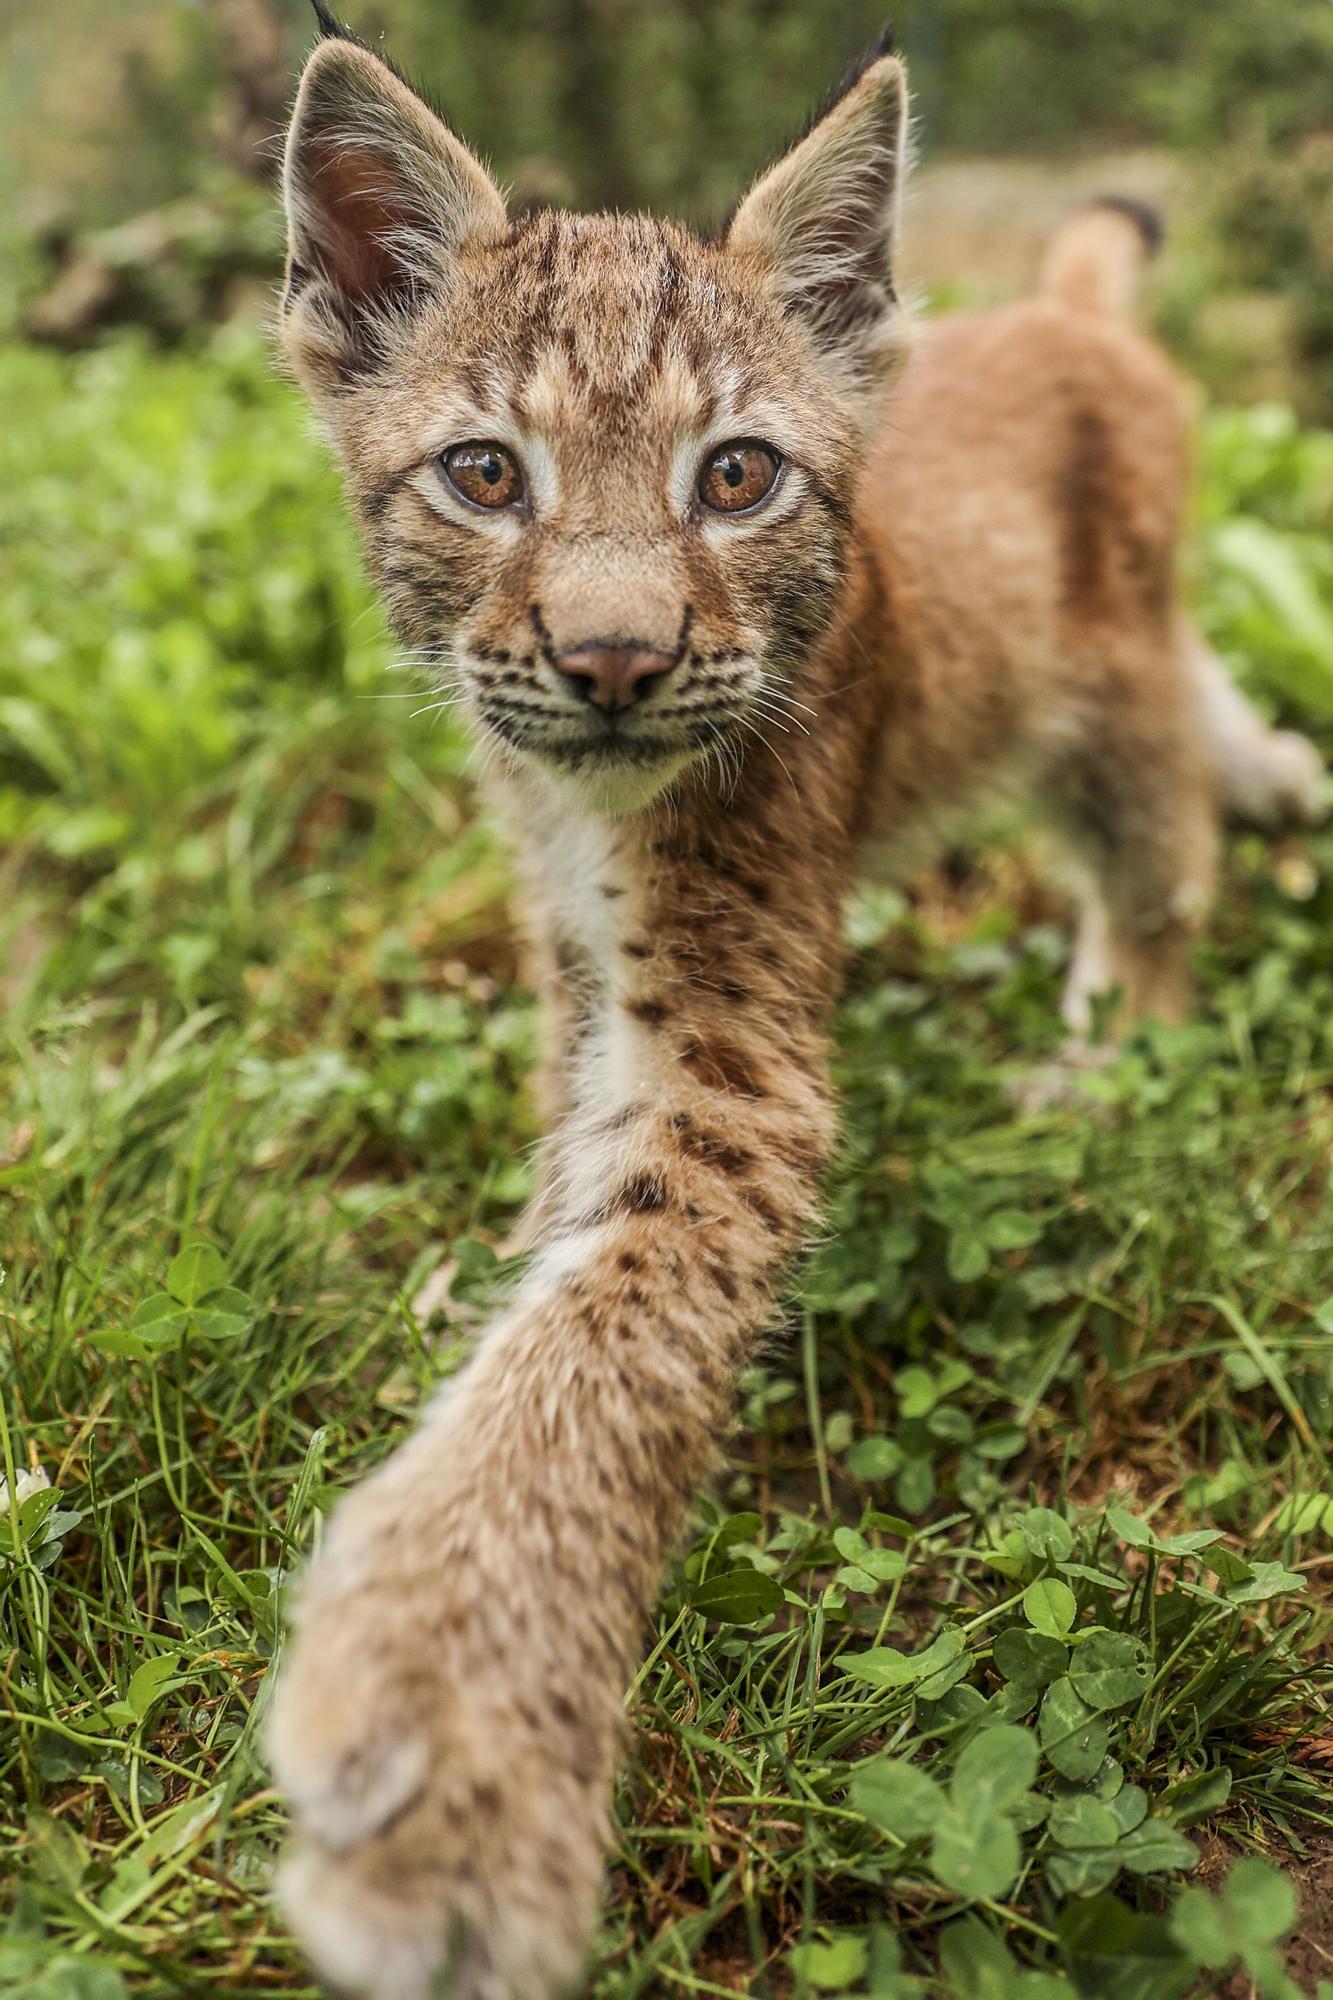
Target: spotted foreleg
<point>447,1724</point>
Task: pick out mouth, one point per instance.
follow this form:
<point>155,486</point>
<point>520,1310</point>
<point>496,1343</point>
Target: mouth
<point>616,742</point>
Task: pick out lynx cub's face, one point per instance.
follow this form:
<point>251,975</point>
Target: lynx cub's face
<point>604,471</point>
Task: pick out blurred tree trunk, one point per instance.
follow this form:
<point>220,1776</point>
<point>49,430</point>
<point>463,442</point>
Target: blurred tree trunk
<point>590,100</point>
<point>707,85</point>
<point>257,85</point>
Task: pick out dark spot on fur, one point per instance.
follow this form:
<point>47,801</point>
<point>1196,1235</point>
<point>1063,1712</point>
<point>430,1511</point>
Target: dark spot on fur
<point>760,1205</point>
<point>651,1012</point>
<point>832,502</point>
<point>725,1283</point>
<point>644,1195</point>
<point>797,1153</point>
<point>712,1150</point>
<point>1083,484</point>
<point>377,500</point>
<point>720,1065</point>
<point>564,1711</point>
<point>1100,547</point>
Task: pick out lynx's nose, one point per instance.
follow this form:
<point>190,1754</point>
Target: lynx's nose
<point>613,677</point>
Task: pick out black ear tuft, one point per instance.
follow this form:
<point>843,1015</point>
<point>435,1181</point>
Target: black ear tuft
<point>330,30</point>
<point>822,220</point>
<point>884,45</point>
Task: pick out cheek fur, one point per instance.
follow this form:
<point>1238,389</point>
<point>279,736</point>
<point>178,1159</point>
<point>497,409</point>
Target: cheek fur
<point>432,572</point>
<point>786,584</point>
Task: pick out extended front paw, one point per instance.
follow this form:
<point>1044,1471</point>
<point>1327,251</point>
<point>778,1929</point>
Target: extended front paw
<point>441,1907</point>
<point>447,1773</point>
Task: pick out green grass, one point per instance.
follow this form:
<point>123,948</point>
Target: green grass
<point>1013,1602</point>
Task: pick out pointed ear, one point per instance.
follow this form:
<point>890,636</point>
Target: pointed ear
<point>380,199</point>
<point>824,219</point>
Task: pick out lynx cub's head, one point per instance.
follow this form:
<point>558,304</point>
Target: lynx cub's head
<point>603,470</point>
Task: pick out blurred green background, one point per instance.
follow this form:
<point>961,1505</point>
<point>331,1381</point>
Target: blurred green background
<point>141,139</point>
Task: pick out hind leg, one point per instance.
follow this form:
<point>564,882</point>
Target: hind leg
<point>1137,807</point>
<point>1267,777</point>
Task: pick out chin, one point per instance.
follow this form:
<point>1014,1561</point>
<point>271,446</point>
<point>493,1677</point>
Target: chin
<point>604,782</point>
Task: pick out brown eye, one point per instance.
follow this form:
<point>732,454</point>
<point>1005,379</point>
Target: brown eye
<point>485,474</point>
<point>738,476</point>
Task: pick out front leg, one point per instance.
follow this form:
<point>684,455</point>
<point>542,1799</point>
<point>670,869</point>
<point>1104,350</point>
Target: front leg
<point>448,1722</point>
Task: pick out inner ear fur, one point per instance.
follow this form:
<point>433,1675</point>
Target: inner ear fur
<point>380,197</point>
<point>823,220</point>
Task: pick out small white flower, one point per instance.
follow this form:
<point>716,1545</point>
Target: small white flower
<point>25,1483</point>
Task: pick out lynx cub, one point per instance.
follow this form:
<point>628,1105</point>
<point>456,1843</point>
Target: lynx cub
<point>642,500</point>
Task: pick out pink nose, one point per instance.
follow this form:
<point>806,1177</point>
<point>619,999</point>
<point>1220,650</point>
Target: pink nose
<point>613,676</point>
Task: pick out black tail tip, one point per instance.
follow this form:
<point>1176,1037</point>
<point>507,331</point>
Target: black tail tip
<point>1146,219</point>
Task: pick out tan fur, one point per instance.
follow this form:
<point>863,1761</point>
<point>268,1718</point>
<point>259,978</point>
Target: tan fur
<point>972,588</point>
<point>1095,262</point>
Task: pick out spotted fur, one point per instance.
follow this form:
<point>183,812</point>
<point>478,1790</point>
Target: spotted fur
<point>963,579</point>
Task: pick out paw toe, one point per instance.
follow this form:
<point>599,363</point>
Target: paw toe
<point>359,1942</point>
